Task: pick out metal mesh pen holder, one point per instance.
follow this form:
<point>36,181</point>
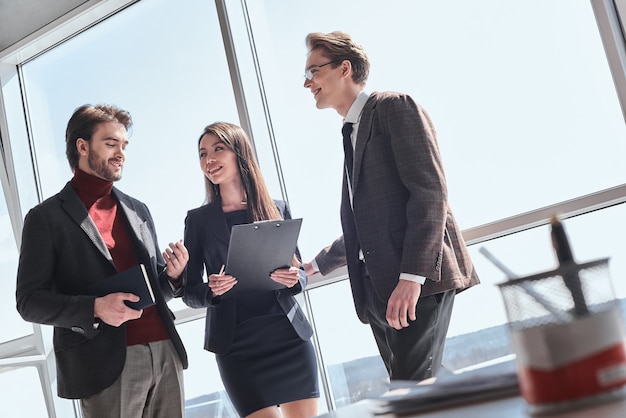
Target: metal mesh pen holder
<point>557,296</point>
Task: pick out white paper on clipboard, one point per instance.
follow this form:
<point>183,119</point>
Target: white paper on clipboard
<point>257,249</point>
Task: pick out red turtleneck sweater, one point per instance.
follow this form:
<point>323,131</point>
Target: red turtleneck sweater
<point>95,194</point>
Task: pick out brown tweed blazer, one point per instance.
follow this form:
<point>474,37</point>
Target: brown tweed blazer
<point>399,218</point>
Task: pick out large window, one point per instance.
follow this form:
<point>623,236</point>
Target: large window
<point>8,267</point>
<point>165,63</point>
<point>520,94</point>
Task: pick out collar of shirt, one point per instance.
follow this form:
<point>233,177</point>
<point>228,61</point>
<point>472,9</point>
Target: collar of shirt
<point>354,114</point>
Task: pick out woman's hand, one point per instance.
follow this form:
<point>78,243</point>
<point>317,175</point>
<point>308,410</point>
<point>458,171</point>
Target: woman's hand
<point>288,277</point>
<point>221,283</point>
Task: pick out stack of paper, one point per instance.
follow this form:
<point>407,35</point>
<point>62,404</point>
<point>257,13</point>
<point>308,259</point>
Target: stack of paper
<point>453,389</point>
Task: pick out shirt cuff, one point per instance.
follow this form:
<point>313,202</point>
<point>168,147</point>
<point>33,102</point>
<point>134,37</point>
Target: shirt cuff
<point>413,278</point>
<point>314,265</point>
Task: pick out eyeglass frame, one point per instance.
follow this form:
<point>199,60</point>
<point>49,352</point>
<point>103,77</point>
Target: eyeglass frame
<point>316,68</point>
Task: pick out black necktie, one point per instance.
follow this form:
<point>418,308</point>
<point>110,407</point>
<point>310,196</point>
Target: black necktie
<point>347,148</point>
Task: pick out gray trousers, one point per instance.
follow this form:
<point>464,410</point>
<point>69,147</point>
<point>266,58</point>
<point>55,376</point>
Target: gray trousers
<point>150,386</point>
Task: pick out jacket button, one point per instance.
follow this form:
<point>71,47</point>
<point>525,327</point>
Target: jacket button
<point>80,330</point>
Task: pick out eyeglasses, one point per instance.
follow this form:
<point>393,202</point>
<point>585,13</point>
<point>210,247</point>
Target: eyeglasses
<point>310,72</point>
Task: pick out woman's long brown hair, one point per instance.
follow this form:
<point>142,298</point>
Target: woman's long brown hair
<point>261,207</point>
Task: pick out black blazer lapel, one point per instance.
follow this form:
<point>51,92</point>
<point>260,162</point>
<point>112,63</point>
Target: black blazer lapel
<point>77,211</point>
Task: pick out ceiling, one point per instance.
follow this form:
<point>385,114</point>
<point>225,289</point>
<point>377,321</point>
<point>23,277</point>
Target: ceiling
<point>21,18</point>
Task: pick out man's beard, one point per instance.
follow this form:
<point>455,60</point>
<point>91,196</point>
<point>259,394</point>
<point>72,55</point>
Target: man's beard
<point>101,167</point>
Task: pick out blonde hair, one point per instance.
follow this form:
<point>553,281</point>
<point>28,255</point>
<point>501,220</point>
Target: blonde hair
<point>339,46</point>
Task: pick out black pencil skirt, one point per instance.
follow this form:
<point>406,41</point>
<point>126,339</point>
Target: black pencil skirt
<point>268,364</point>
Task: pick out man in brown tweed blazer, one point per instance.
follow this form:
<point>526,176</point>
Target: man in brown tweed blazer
<point>405,253</point>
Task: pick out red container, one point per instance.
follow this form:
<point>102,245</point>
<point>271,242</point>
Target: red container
<point>570,361</point>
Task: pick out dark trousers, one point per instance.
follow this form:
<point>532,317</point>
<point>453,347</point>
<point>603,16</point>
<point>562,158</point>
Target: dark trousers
<point>415,352</point>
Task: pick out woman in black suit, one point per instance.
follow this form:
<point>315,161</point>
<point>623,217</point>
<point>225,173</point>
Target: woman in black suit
<point>261,340</point>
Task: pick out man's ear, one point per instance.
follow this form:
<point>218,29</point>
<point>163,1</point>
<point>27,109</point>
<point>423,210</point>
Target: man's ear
<point>346,67</point>
<point>82,147</point>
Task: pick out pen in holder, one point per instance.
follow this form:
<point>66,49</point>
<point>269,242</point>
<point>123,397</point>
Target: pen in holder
<point>564,255</point>
<point>567,333</point>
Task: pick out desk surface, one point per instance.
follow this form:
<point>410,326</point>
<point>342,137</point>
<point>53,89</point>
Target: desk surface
<point>512,407</point>
<point>488,383</point>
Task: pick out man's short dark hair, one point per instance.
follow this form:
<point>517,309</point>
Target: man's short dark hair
<point>83,123</point>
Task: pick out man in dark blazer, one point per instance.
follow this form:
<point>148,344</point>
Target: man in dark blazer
<point>405,253</point>
<point>120,362</point>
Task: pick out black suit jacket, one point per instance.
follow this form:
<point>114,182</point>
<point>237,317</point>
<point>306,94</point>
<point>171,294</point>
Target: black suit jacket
<point>61,255</point>
<point>207,237</point>
<point>399,216</point>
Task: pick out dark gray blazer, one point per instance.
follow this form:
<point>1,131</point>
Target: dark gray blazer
<point>207,237</point>
<point>401,221</point>
<point>62,254</point>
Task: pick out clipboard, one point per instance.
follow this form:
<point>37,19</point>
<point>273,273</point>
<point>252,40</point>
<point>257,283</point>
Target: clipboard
<point>257,249</point>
